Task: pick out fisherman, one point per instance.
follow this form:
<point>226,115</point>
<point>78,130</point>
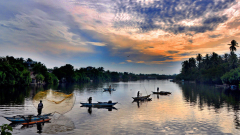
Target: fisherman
<point>157,89</point>
<point>40,107</point>
<point>138,94</point>
<point>90,100</point>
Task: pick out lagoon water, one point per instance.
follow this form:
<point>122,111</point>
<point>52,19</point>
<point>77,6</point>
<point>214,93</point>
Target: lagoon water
<point>190,109</point>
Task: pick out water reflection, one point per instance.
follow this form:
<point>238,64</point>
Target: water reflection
<point>209,95</point>
<point>140,102</point>
<point>39,127</point>
<point>201,95</point>
<point>90,108</point>
<point>110,92</point>
<point>191,109</point>
<point>13,95</point>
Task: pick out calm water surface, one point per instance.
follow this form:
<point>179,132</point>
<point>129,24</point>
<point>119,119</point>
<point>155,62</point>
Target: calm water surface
<point>190,109</point>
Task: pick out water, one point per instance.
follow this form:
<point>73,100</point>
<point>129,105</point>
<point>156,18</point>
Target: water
<point>190,109</point>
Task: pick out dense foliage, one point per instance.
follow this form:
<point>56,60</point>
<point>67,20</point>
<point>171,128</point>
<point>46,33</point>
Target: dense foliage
<point>5,129</point>
<point>17,71</point>
<point>212,68</point>
<point>13,71</point>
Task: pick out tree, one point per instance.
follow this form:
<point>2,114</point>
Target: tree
<point>233,60</point>
<point>199,59</point>
<point>232,77</point>
<point>39,68</point>
<point>225,56</point>
<point>233,45</point>
<point>40,77</point>
<point>192,62</point>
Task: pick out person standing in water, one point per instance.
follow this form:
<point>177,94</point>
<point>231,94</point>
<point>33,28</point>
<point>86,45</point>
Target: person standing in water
<point>157,89</point>
<point>90,100</point>
<point>40,107</point>
<point>138,94</point>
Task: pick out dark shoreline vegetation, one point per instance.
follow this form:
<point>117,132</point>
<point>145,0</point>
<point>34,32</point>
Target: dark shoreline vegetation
<point>20,72</point>
<point>213,68</point>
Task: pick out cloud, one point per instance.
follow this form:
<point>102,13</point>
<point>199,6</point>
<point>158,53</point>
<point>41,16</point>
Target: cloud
<point>172,52</point>
<point>46,27</point>
<point>97,43</point>
<point>149,16</point>
<point>214,36</point>
<point>140,62</point>
<point>151,32</point>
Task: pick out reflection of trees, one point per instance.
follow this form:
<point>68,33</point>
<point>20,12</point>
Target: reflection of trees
<point>208,95</point>
<point>13,95</point>
<point>17,95</point>
<point>202,95</point>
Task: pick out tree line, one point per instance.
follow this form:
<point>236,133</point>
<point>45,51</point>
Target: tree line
<point>213,68</point>
<point>17,71</point>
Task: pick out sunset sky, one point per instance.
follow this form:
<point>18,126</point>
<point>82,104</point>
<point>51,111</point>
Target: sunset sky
<point>120,35</point>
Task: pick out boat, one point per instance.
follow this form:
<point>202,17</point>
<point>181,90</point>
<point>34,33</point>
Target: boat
<point>143,100</point>
<point>24,118</point>
<point>161,92</point>
<point>102,107</point>
<point>35,122</point>
<point>99,104</point>
<point>141,97</point>
<point>108,89</point>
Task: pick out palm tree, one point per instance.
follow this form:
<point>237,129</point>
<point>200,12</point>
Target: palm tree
<point>233,46</point>
<point>199,58</point>
<point>192,62</point>
<point>185,66</point>
<point>206,61</point>
<point>225,56</point>
<point>214,59</point>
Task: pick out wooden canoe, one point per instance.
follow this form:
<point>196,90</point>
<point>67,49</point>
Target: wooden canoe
<point>99,104</point>
<point>34,122</point>
<point>161,92</point>
<point>141,97</point>
<point>107,89</point>
<point>24,118</point>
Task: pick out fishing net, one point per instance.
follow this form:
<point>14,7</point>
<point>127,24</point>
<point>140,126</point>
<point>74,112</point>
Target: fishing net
<point>59,123</point>
<point>54,101</point>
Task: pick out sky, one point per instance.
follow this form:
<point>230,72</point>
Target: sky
<point>120,35</point>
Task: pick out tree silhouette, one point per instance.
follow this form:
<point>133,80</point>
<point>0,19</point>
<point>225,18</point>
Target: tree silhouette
<point>233,45</point>
<point>199,59</point>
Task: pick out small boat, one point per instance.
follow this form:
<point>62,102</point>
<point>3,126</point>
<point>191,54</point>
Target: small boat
<point>143,100</point>
<point>103,107</point>
<point>108,89</point>
<point>35,122</point>
<point>99,104</point>
<point>141,97</point>
<point>24,118</point>
<point>161,92</point>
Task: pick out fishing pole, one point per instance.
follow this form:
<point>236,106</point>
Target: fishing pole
<point>145,89</point>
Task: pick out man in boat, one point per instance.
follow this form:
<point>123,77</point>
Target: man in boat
<point>157,89</point>
<point>138,94</point>
<point>90,100</point>
<point>40,107</point>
